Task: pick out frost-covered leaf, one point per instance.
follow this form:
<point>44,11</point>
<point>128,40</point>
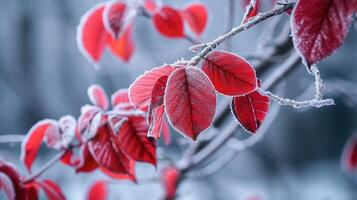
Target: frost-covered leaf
<point>196,15</point>
<point>98,97</point>
<point>120,97</point>
<point>117,15</point>
<point>190,101</point>
<point>230,74</point>
<point>7,187</point>
<point>252,10</point>
<point>63,135</point>
<point>98,191</point>
<point>32,143</point>
<point>170,177</point>
<point>88,112</point>
<point>349,156</point>
<point>106,153</point>
<point>51,190</point>
<point>10,172</point>
<point>168,22</point>
<point>86,161</point>
<point>319,27</point>
<point>124,46</point>
<point>91,34</point>
<point>132,139</point>
<point>140,91</point>
<point>250,110</point>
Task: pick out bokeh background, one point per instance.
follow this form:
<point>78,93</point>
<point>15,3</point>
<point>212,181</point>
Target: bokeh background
<point>43,75</point>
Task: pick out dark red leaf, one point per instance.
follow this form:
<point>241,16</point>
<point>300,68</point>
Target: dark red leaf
<point>170,177</point>
<point>91,34</point>
<point>319,27</point>
<point>98,191</point>
<point>32,143</point>
<point>251,10</point>
<point>7,187</point>
<point>32,191</point>
<point>168,22</point>
<point>250,110</point>
<point>140,91</point>
<point>10,172</point>
<point>121,176</point>
<point>86,162</point>
<point>133,140</point>
<point>117,16</point>
<point>196,15</point>
<point>124,46</point>
<point>120,97</point>
<point>349,156</point>
<point>230,74</point>
<point>106,153</point>
<point>51,189</point>
<point>190,101</point>
<point>98,97</point>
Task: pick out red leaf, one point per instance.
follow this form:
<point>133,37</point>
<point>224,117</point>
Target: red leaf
<point>230,74</point>
<point>12,175</point>
<point>88,112</point>
<point>170,177</point>
<point>349,156</point>
<point>150,6</point>
<point>196,15</point>
<point>168,22</point>
<point>69,159</point>
<point>124,47</point>
<point>86,162</point>
<point>116,17</point>
<point>250,110</point>
<point>133,140</point>
<point>251,10</point>
<point>7,187</point>
<point>63,134</point>
<point>121,176</point>
<point>165,131</point>
<point>190,101</point>
<point>106,153</point>
<point>98,191</point>
<point>32,143</point>
<point>141,90</point>
<point>98,97</point>
<point>120,97</point>
<point>91,34</point>
<point>32,190</point>
<point>51,189</point>
<point>319,27</point>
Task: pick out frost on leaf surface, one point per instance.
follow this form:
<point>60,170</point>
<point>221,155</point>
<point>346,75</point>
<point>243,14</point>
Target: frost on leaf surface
<point>319,27</point>
<point>252,10</point>
<point>140,91</point>
<point>230,74</point>
<point>250,110</point>
<point>196,16</point>
<point>190,101</point>
<point>168,22</point>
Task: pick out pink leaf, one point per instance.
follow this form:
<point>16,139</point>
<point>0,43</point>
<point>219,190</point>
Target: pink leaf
<point>168,22</point>
<point>98,191</point>
<point>51,189</point>
<point>98,96</point>
<point>250,110</point>
<point>196,15</point>
<point>7,187</point>
<point>349,156</point>
<point>170,177</point>
<point>106,153</point>
<point>251,10</point>
<point>190,101</point>
<point>85,120</point>
<point>91,34</point>
<point>133,140</point>
<point>230,74</point>
<point>32,143</point>
<point>123,47</point>
<point>141,90</point>
<point>69,158</point>
<point>319,27</point>
<point>165,131</point>
<point>120,97</point>
<point>116,17</point>
<point>150,6</point>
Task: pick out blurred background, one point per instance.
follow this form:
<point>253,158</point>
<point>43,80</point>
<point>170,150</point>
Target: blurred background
<point>43,75</point>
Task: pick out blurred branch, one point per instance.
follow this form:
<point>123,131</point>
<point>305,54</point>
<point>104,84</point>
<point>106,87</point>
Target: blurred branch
<point>11,138</point>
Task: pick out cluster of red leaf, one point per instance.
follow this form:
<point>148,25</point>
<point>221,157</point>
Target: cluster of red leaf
<point>16,187</point>
<point>110,25</point>
<point>187,94</point>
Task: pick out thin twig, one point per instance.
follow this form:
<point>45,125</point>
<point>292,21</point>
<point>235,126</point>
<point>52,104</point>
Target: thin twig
<point>11,138</point>
<point>261,17</point>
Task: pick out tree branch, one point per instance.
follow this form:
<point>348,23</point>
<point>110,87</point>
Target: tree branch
<point>11,138</point>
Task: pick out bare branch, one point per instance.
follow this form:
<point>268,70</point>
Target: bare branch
<point>11,138</point>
